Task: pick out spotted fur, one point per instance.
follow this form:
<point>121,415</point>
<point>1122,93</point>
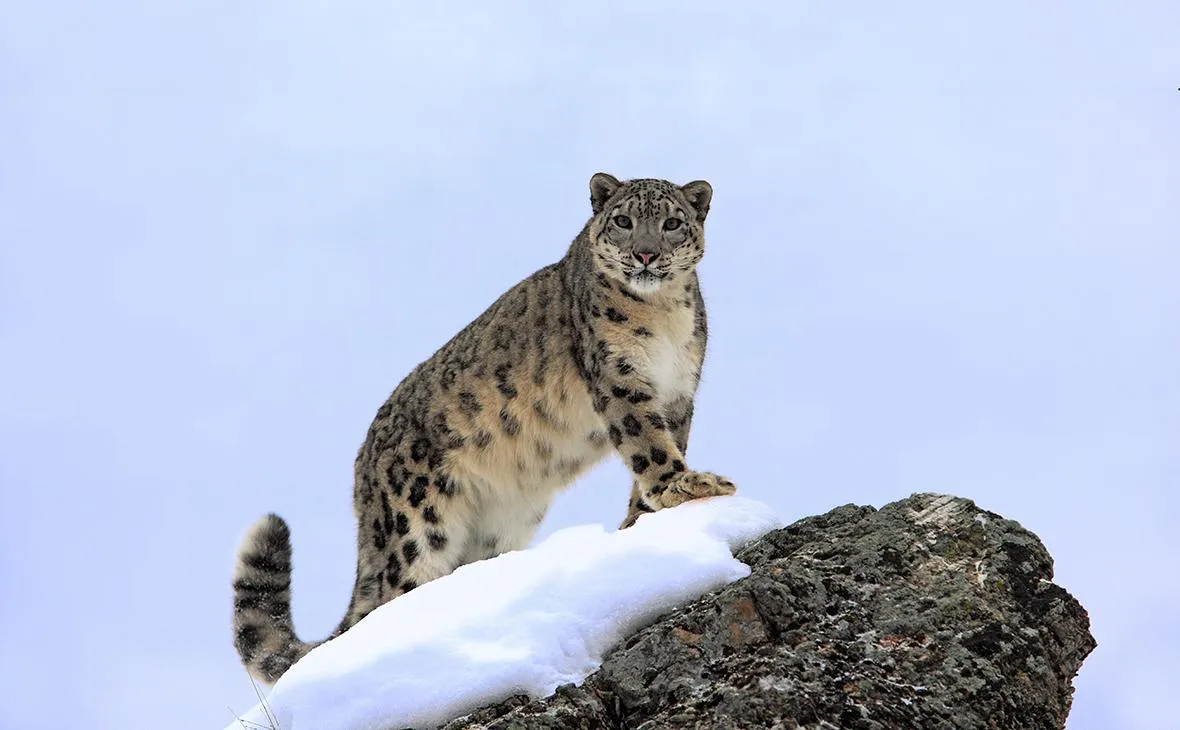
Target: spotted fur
<point>599,352</point>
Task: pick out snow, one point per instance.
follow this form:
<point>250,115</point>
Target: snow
<point>526,621</point>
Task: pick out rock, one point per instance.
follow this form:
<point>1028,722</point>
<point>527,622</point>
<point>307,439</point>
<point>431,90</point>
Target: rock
<point>927,613</point>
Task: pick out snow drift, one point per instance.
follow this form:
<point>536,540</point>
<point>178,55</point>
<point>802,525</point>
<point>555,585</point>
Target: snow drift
<point>526,621</point>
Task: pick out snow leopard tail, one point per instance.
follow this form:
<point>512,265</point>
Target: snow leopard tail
<point>264,633</point>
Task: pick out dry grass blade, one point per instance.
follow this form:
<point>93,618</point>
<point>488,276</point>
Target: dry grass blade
<point>272,722</point>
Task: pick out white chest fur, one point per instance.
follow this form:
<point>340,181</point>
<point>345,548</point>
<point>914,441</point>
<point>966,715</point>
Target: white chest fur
<point>671,356</point>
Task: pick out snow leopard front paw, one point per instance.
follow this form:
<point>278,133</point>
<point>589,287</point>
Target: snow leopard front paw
<point>690,485</point>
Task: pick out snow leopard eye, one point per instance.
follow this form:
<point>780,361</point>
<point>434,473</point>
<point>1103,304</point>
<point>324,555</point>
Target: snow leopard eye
<point>622,221</point>
<point>671,224</point>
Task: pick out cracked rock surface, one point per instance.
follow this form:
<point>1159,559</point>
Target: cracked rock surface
<point>927,613</point>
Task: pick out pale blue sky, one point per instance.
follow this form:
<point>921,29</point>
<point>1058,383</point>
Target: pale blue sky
<point>942,256</point>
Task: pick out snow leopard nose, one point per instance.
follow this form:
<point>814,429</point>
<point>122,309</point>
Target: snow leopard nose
<point>646,257</point>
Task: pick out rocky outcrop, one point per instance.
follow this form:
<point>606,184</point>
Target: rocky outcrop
<point>927,613</point>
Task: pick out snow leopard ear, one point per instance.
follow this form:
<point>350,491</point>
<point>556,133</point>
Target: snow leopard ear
<point>698,193</point>
<point>602,186</point>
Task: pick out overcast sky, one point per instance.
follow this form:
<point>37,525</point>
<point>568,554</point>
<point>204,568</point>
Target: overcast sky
<point>943,255</point>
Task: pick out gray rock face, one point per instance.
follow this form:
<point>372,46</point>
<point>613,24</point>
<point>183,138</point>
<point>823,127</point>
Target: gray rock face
<point>927,613</point>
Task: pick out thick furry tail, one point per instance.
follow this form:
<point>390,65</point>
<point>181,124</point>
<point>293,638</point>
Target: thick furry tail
<point>264,633</point>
